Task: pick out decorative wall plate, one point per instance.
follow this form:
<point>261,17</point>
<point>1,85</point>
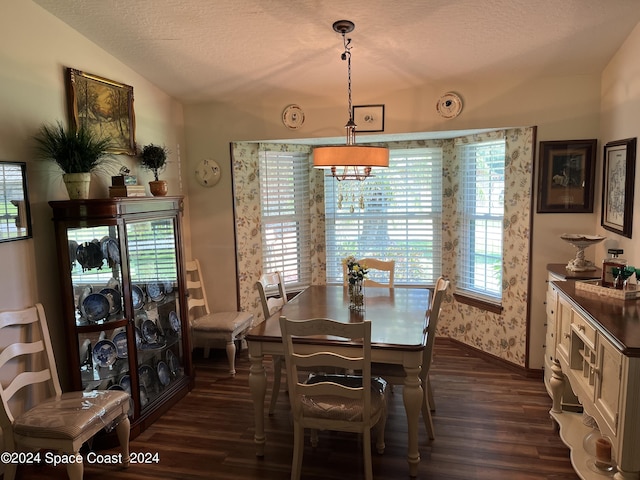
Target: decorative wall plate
<point>449,105</point>
<point>125,383</point>
<point>174,321</point>
<point>173,362</point>
<point>113,297</point>
<point>120,341</point>
<point>208,172</point>
<point>96,307</point>
<point>293,117</point>
<point>155,291</point>
<point>150,332</point>
<point>104,353</point>
<point>163,373</point>
<point>137,295</point>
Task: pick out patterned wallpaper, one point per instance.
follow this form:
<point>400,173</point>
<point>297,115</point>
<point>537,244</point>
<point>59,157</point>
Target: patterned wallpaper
<point>503,335</point>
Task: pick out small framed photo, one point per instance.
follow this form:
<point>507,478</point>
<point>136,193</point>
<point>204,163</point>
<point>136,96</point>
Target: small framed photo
<point>369,118</point>
<point>618,179</point>
<point>567,176</point>
<point>104,106</point>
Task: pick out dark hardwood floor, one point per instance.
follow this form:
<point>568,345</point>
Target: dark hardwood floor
<point>490,424</point>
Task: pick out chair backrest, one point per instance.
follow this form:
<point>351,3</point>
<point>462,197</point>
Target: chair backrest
<point>32,354</point>
<point>388,266</point>
<point>267,284</point>
<point>197,295</point>
<point>433,313</point>
<point>296,357</point>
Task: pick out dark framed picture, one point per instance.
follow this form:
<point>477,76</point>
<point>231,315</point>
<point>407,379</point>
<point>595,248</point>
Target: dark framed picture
<point>369,118</point>
<point>104,106</point>
<point>618,178</point>
<point>566,176</point>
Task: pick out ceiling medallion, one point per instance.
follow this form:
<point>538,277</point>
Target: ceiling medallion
<point>449,105</point>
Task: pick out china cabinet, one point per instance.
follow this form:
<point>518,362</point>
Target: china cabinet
<point>122,286</point>
<point>596,354</point>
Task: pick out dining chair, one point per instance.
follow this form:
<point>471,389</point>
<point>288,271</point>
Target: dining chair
<point>331,401</point>
<point>208,328</point>
<point>395,374</point>
<point>61,422</point>
<point>273,296</point>
<point>388,266</point>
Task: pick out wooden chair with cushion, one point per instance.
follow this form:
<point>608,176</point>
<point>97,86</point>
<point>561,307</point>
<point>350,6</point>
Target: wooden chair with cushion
<point>273,296</point>
<point>375,264</point>
<point>208,328</point>
<point>62,422</point>
<point>330,401</point>
<point>394,374</point>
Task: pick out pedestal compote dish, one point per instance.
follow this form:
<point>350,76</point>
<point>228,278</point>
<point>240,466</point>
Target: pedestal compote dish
<point>581,241</point>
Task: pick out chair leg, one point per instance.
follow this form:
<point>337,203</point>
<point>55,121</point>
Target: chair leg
<point>432,402</point>
<point>426,417</point>
<point>277,376</point>
<point>123,430</point>
<point>10,469</point>
<point>314,437</point>
<point>75,470</point>
<point>366,441</point>
<point>380,426</point>
<point>298,449</point>
<point>231,356</point>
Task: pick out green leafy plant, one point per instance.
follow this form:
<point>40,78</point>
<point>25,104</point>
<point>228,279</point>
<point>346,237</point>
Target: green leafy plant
<point>154,158</point>
<point>79,151</point>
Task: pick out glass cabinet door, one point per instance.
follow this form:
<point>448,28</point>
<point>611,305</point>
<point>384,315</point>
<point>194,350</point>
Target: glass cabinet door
<point>153,272</point>
<point>96,277</point>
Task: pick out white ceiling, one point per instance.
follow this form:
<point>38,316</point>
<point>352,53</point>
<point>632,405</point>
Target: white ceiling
<point>207,50</point>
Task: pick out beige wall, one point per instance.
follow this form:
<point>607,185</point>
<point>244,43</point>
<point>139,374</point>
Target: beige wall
<point>34,49</point>
<point>561,107</point>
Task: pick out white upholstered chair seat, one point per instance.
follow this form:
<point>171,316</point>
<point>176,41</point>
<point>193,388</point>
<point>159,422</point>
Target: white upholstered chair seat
<point>70,414</point>
<point>341,408</point>
<point>207,327</point>
<point>229,323</point>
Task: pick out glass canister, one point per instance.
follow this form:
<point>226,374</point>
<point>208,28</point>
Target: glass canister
<point>612,266</point>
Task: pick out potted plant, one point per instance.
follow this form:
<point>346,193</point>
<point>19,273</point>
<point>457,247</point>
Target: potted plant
<point>154,158</point>
<point>77,153</point>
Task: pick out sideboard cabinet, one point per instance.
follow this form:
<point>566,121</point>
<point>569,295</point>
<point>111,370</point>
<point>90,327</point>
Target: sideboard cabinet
<point>597,351</point>
<point>123,290</point>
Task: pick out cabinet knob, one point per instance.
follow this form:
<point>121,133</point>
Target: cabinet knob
<point>567,335</point>
<point>581,328</point>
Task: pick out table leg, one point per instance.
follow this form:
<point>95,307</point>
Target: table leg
<point>258,388</point>
<point>412,397</point>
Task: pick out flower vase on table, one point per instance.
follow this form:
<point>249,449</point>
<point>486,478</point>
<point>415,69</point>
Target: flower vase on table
<point>356,273</point>
<point>356,295</point>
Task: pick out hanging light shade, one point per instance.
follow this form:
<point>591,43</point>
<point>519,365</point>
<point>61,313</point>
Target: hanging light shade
<point>350,161</point>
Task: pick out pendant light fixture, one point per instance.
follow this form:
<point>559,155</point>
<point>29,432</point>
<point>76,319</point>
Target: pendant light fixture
<point>350,161</point>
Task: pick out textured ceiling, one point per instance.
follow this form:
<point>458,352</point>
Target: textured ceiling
<point>207,50</point>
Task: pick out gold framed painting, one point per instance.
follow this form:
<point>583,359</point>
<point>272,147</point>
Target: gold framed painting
<point>103,106</point>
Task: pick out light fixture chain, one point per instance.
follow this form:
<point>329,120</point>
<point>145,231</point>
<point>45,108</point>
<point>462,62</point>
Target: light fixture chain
<point>346,55</point>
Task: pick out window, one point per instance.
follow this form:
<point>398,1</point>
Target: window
<point>284,193</point>
<point>482,212</point>
<point>401,218</point>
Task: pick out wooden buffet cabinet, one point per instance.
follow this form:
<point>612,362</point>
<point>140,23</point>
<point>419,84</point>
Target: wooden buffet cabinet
<point>123,287</point>
<point>593,343</point>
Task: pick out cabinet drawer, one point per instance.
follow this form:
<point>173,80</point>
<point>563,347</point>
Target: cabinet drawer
<point>583,329</point>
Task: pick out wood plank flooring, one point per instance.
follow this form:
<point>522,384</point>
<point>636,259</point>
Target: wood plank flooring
<point>490,423</point>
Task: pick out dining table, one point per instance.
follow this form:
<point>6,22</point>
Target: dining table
<point>398,335</point>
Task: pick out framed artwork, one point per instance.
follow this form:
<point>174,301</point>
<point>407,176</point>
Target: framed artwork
<point>567,176</point>
<point>369,118</point>
<point>104,106</point>
<point>618,178</point>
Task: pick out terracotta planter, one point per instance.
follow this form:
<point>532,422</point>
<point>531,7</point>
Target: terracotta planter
<point>77,185</point>
<point>158,188</point>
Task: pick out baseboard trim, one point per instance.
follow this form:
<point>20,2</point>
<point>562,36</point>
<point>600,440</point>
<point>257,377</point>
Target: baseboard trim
<point>525,372</point>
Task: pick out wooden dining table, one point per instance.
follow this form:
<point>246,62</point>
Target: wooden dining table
<point>398,325</point>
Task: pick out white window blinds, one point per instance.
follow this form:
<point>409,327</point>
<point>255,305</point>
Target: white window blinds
<point>482,210</point>
<point>401,219</point>
<point>284,208</point>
